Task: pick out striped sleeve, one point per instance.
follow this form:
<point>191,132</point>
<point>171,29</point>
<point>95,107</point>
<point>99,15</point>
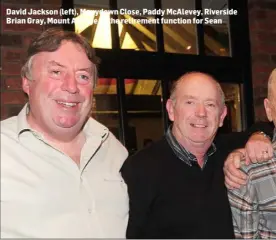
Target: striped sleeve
<point>245,213</point>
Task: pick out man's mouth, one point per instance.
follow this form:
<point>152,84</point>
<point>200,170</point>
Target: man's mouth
<point>198,125</point>
<point>67,104</point>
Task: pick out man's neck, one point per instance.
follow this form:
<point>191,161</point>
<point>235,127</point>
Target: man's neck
<point>59,135</point>
<point>199,150</point>
<point>70,142</point>
<point>72,148</point>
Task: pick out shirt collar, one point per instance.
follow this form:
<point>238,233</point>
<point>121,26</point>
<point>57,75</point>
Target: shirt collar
<point>93,128</point>
<point>182,153</point>
<point>22,123</point>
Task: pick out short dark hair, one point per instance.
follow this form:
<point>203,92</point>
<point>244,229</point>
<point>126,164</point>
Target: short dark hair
<point>50,40</point>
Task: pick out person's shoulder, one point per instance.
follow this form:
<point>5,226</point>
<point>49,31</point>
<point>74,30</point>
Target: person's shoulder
<point>154,150</point>
<point>9,143</point>
<point>109,146</point>
<point>117,145</point>
<point>116,151</point>
<point>149,160</point>
<point>9,127</point>
<point>94,128</point>
<point>149,155</point>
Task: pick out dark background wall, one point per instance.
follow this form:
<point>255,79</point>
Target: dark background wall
<point>262,23</point>
<point>14,41</point>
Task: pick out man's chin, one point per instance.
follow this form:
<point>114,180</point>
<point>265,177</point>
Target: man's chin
<point>201,140</point>
<point>67,122</point>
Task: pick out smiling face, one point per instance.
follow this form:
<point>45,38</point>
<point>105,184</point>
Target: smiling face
<point>196,110</point>
<point>60,92</point>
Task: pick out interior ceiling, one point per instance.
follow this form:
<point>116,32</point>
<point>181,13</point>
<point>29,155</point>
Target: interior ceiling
<point>149,4</point>
<point>132,86</point>
<point>178,38</point>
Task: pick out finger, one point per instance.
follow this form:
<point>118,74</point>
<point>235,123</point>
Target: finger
<point>256,153</point>
<point>236,176</point>
<point>234,169</point>
<point>252,156</point>
<point>234,173</point>
<point>237,159</point>
<point>264,151</point>
<point>270,151</point>
<point>230,184</point>
<point>261,160</point>
<point>247,159</point>
<point>229,161</point>
<point>259,156</point>
<point>265,157</point>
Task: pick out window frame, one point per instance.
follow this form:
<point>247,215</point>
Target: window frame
<point>160,65</point>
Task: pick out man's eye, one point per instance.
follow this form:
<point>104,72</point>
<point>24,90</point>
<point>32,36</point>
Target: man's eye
<point>56,72</point>
<point>211,105</point>
<point>189,102</point>
<point>84,77</point>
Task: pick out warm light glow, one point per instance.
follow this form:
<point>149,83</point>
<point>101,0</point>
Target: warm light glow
<point>147,37</point>
<point>144,87</point>
<point>147,47</point>
<point>128,42</point>
<point>84,20</point>
<point>102,36</point>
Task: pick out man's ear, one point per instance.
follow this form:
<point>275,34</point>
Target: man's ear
<point>170,109</point>
<point>222,115</point>
<point>26,85</point>
<point>268,109</point>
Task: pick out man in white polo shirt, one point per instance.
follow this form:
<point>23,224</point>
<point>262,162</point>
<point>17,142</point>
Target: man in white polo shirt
<point>59,167</point>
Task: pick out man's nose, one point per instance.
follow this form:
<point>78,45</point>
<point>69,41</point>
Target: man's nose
<point>70,84</point>
<point>201,110</point>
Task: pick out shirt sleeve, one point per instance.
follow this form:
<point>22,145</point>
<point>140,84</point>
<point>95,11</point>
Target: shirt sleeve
<point>245,212</point>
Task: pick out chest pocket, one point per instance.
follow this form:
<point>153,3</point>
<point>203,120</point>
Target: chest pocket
<point>113,195</point>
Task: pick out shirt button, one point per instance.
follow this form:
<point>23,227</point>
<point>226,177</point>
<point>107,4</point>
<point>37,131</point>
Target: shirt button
<point>89,210</point>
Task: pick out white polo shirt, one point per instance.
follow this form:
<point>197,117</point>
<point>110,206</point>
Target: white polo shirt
<point>44,194</point>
